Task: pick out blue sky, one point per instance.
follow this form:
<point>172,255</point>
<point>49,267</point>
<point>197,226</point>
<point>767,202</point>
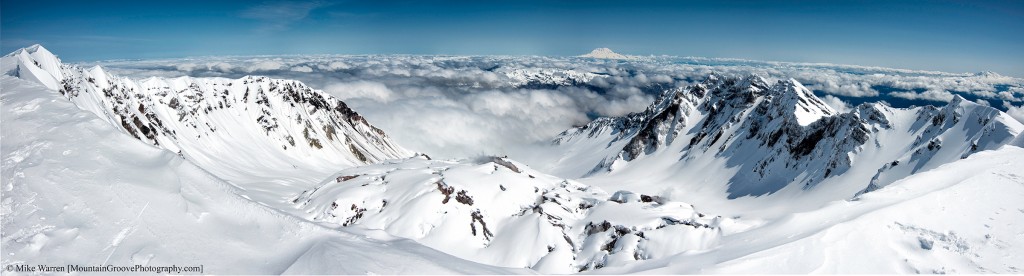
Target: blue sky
<point>955,36</point>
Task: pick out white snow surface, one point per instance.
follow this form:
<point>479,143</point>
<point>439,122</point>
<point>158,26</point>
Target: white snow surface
<point>963,217</point>
<point>739,146</point>
<point>263,135</point>
<point>501,212</point>
<point>219,187</point>
<point>78,191</point>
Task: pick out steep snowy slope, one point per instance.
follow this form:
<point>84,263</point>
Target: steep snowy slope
<point>255,132</point>
<point>731,138</point>
<point>962,217</point>
<point>76,190</point>
<point>501,212</point>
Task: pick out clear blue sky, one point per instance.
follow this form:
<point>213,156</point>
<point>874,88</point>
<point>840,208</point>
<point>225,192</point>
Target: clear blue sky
<point>956,36</point>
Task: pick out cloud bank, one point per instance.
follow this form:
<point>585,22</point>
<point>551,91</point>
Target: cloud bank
<point>456,106</point>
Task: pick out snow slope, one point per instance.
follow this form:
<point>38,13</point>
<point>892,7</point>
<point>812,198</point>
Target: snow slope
<point>74,183</point>
<point>500,212</point>
<point>265,135</point>
<point>962,217</point>
<point>742,144</point>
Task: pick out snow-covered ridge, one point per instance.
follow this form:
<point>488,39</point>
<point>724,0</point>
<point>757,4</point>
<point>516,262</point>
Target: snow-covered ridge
<point>768,138</point>
<point>501,212</point>
<point>493,211</point>
<point>962,217</point>
<point>78,184</point>
<point>231,127</point>
<point>79,191</point>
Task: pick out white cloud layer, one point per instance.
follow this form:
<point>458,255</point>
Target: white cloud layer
<point>1017,112</point>
<point>303,69</point>
<point>452,106</point>
<point>360,90</point>
<point>836,103</point>
<point>930,95</point>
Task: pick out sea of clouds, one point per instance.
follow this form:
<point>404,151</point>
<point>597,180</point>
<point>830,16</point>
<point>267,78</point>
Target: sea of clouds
<point>455,106</point>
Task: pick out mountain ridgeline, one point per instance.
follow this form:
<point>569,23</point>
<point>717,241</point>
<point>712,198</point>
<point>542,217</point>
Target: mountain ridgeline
<point>770,136</point>
<point>232,127</point>
<point>610,198</point>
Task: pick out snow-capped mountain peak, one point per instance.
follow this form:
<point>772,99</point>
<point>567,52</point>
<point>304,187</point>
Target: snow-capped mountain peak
<point>605,53</point>
<point>35,63</point>
<point>806,107</point>
<point>770,137</point>
<point>232,127</point>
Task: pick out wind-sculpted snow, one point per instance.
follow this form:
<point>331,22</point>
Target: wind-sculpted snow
<point>241,130</point>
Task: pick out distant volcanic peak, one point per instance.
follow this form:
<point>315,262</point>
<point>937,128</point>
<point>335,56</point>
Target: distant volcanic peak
<point>605,53</point>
